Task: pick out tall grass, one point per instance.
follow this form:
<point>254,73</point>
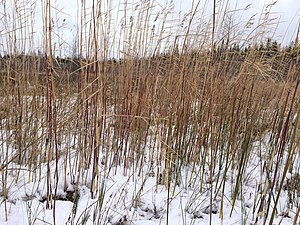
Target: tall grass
<point>133,95</point>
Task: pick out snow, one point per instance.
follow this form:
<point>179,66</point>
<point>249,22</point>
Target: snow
<point>132,200</point>
<point>128,196</point>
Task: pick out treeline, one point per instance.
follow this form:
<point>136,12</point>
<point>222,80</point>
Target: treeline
<point>267,59</point>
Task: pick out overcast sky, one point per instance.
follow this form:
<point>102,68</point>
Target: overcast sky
<point>287,10</point>
<point>65,15</point>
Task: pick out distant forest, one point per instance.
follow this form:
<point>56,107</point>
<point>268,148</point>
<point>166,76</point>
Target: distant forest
<point>267,60</point>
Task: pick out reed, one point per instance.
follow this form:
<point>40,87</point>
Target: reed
<point>136,98</point>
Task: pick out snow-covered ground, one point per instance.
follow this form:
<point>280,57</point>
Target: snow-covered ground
<point>133,199</point>
<point>136,195</point>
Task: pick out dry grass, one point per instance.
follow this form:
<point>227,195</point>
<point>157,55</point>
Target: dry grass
<point>175,107</point>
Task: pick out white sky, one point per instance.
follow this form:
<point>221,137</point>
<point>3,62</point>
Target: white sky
<point>65,16</point>
<point>287,10</point>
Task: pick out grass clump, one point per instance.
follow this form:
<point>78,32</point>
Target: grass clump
<point>193,110</point>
